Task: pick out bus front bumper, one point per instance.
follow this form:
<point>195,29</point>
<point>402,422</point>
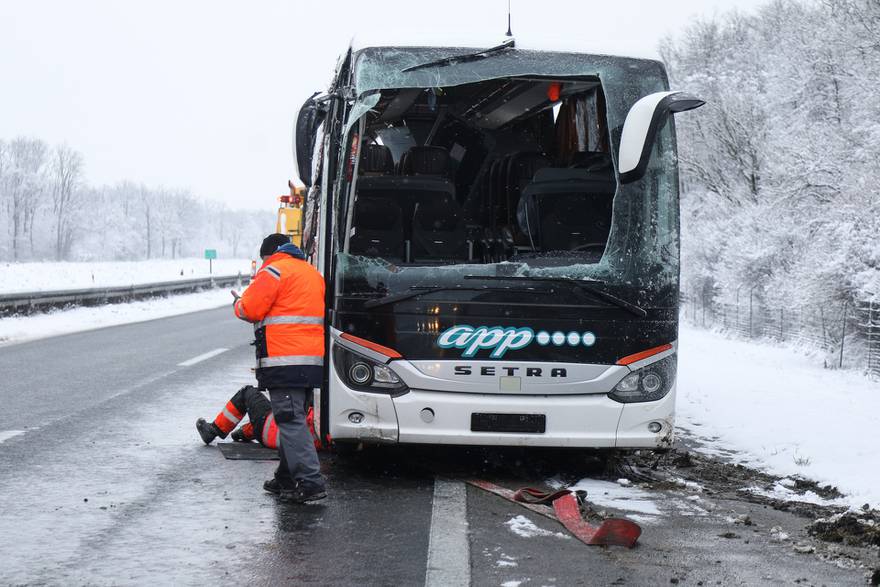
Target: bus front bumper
<point>440,417</point>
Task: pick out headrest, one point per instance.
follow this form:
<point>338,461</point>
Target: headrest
<point>426,161</point>
<point>549,174</point>
<point>564,180</point>
<point>376,159</point>
<point>591,161</point>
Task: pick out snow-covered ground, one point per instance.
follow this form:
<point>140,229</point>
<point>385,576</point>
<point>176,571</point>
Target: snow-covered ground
<point>774,408</point>
<point>18,277</point>
<point>21,328</point>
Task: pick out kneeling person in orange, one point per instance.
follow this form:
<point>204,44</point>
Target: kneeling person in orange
<point>285,301</point>
<point>247,401</point>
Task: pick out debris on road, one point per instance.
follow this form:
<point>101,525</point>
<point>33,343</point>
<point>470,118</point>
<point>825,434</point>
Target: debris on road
<point>850,528</point>
<point>567,505</point>
<point>777,534</point>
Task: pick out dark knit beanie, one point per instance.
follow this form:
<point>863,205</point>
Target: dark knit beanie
<point>272,242</point>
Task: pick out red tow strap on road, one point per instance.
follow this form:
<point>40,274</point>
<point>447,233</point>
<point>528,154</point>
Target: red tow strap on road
<point>612,532</point>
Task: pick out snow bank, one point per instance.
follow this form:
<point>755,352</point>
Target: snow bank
<point>17,277</point>
<point>21,328</point>
<point>776,409</point>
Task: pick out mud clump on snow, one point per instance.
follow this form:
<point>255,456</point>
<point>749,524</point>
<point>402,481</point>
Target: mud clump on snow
<point>849,528</point>
<point>725,479</point>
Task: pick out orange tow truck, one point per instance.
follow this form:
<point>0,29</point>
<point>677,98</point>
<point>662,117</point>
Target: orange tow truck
<point>290,217</point>
<point>290,214</point>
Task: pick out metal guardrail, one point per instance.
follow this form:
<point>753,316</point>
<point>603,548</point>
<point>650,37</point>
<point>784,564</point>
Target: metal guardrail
<point>28,302</point>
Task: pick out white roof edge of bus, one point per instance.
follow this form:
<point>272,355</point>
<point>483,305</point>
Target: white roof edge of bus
<point>620,48</point>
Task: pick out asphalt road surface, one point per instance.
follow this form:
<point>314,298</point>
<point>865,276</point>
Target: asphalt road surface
<point>103,481</point>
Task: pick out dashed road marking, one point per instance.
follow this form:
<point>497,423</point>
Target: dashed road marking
<point>449,559</point>
<point>7,434</point>
<point>202,357</point>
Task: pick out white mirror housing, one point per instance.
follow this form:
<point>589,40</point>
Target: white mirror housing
<point>643,122</point>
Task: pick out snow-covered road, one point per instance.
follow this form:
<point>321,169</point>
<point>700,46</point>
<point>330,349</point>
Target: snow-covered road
<point>775,408</point>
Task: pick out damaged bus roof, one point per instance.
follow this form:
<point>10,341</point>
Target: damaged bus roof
<point>391,67</point>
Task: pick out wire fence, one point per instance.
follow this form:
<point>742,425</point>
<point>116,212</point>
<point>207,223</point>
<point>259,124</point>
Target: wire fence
<point>847,334</point>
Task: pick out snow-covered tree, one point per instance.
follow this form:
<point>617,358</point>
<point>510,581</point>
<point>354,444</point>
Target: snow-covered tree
<point>779,168</point>
<point>48,211</point>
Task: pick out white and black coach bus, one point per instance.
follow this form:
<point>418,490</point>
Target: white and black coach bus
<point>499,233</point>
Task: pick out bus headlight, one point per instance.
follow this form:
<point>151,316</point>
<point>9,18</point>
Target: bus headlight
<point>647,384</point>
<point>364,374</point>
<point>360,373</point>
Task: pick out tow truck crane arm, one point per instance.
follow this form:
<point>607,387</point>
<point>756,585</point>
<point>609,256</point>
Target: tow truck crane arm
<point>290,214</point>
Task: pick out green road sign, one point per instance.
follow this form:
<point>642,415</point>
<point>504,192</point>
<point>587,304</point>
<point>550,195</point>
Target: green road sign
<point>210,253</point>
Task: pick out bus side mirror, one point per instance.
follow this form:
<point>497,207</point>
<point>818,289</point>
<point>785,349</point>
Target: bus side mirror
<point>643,122</point>
<point>308,119</point>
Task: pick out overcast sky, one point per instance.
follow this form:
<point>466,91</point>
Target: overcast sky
<point>201,94</point>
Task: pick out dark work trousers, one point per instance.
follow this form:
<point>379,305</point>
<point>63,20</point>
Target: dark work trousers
<point>299,459</point>
<point>249,399</point>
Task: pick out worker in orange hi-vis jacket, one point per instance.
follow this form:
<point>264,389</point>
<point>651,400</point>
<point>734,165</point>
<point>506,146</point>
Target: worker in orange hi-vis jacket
<point>252,404</point>
<point>285,302</point>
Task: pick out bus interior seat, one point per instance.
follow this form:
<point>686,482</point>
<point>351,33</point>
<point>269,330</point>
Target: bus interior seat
<point>438,229</point>
<point>575,222</point>
<point>376,160</point>
<point>521,171</point>
<point>377,228</point>
<point>424,183</point>
<point>565,209</point>
<point>432,161</point>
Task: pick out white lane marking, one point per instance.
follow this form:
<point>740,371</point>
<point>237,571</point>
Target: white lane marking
<point>202,357</point>
<point>7,434</point>
<point>449,558</point>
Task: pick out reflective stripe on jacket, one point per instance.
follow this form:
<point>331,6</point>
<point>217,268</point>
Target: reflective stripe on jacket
<point>285,302</point>
<point>270,436</point>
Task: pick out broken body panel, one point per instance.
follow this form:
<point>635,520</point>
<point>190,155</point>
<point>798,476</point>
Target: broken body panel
<point>500,243</point>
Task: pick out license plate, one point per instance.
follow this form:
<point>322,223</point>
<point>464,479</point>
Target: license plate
<point>530,423</point>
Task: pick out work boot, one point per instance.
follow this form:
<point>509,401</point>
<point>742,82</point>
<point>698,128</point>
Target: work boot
<point>207,430</point>
<point>238,435</point>
<point>277,486</point>
<point>272,486</point>
<point>303,493</point>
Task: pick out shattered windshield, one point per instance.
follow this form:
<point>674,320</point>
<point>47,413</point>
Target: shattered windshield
<point>464,172</point>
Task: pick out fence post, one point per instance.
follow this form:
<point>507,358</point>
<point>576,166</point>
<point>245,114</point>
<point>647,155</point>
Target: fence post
<point>736,315</point>
<point>704,309</point>
<point>751,295</point>
<point>843,333</point>
<point>872,340</point>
